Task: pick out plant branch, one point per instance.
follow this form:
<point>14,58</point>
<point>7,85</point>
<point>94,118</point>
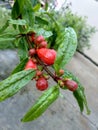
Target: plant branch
<point>28,41</point>
<point>55,78</point>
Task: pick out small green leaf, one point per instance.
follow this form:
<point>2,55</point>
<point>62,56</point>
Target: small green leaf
<point>36,7</point>
<point>18,22</point>
<point>22,48</point>
<point>79,93</point>
<point>67,44</point>
<point>42,104</point>
<point>43,32</point>
<point>4,27</point>
<point>14,83</point>
<point>41,21</point>
<point>20,66</point>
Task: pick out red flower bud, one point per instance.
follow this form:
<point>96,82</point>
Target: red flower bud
<point>30,65</point>
<point>71,85</point>
<point>48,56</point>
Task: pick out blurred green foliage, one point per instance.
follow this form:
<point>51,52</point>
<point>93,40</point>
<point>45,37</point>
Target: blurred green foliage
<point>63,16</point>
<point>5,15</point>
<point>83,30</point>
<point>67,18</point>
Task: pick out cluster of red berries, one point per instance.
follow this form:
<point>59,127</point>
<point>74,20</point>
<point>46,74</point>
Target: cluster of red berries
<point>41,53</point>
<point>45,55</point>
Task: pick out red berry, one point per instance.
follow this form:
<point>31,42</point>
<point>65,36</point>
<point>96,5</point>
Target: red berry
<point>30,65</point>
<point>42,84</point>
<point>38,39</point>
<point>32,52</point>
<point>71,85</point>
<point>48,56</point>
<point>43,44</point>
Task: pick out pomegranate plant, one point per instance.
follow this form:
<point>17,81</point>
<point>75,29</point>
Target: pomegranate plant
<point>42,44</point>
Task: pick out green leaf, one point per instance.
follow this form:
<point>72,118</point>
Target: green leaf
<point>43,32</point>
<point>6,39</point>
<point>36,7</point>
<point>66,46</point>
<point>22,48</point>
<point>48,97</point>
<point>18,22</point>
<point>17,9</point>
<point>41,21</point>
<point>34,2</point>
<point>4,27</point>
<point>23,9</point>
<point>14,83</point>
<point>27,13</point>
<point>6,45</point>
<point>20,66</point>
<point>79,93</point>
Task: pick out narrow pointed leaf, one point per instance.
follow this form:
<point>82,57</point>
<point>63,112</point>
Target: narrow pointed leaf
<point>22,48</point>
<point>14,83</point>
<point>41,21</point>
<point>66,45</point>
<point>4,27</point>
<point>79,93</point>
<point>17,9</point>
<point>6,39</point>
<point>20,66</point>
<point>18,22</point>
<point>27,13</point>
<point>42,104</point>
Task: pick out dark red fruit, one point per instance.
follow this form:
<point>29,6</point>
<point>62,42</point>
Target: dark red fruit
<point>43,44</point>
<point>38,39</point>
<point>71,85</point>
<point>42,84</point>
<point>48,56</point>
<point>30,65</point>
<point>32,52</point>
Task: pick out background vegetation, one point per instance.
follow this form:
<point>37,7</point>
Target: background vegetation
<point>65,17</point>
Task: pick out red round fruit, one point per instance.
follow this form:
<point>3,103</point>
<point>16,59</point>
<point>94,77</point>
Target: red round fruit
<point>39,39</point>
<point>30,65</point>
<point>48,56</point>
<point>42,84</point>
<point>71,85</point>
<point>43,44</point>
<point>32,52</point>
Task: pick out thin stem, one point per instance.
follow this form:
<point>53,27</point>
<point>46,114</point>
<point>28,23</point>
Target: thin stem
<point>28,41</point>
<point>47,70</point>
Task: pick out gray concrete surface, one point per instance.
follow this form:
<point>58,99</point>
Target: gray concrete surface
<point>64,113</point>
<point>8,60</point>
